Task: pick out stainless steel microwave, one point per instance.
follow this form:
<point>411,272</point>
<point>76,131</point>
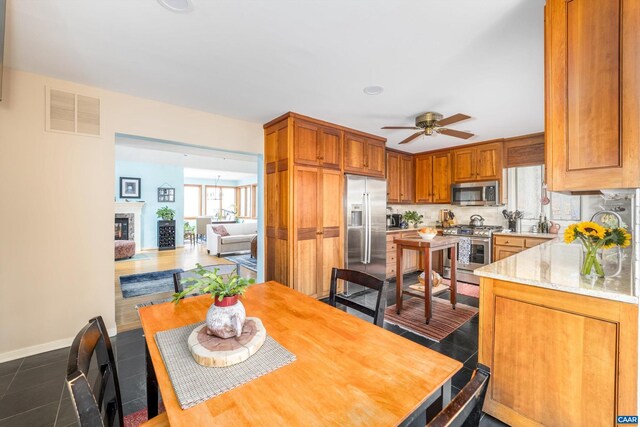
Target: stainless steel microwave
<point>485,193</point>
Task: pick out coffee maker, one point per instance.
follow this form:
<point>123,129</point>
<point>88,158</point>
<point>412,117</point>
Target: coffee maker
<point>396,220</point>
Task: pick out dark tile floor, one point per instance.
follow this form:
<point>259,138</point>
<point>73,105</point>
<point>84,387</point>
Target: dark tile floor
<point>33,392</point>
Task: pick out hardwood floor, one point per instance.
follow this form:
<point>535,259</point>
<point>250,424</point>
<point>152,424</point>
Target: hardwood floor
<point>185,258</point>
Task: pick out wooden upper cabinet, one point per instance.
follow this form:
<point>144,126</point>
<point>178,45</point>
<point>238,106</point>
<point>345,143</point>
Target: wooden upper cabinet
<point>354,153</point>
<point>330,148</point>
<point>407,179</point>
<point>393,177</point>
<point>306,140</point>
<point>316,145</point>
<point>482,162</point>
<point>464,164</point>
<point>424,178</point>
<point>489,158</point>
<point>592,61</point>
<point>374,162</point>
<point>364,156</point>
<point>441,178</point>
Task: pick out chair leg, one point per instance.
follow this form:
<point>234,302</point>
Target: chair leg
<point>152,385</point>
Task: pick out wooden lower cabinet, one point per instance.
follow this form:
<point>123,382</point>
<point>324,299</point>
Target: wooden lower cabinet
<point>506,245</point>
<point>317,230</point>
<point>557,358</point>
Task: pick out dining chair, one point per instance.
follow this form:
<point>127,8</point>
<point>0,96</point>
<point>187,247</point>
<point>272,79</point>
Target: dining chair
<point>223,270</point>
<point>100,404</point>
<point>466,408</point>
<point>363,279</point>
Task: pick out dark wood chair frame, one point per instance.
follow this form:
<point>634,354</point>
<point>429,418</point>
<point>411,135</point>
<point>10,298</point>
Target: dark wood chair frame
<point>466,408</point>
<point>365,280</point>
<point>100,404</point>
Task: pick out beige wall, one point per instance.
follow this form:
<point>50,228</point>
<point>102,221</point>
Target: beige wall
<point>56,245</point>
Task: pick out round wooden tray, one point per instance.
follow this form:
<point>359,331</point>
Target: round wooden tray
<point>212,351</point>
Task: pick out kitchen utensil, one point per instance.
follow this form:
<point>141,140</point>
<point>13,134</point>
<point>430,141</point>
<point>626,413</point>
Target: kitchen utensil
<point>476,221</point>
<point>545,198</point>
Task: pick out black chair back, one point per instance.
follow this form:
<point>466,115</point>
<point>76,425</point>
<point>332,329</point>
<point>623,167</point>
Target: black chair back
<point>223,269</point>
<point>365,280</point>
<point>466,408</point>
<point>98,404</point>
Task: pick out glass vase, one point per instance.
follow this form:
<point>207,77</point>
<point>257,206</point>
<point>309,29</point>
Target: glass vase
<point>592,263</point>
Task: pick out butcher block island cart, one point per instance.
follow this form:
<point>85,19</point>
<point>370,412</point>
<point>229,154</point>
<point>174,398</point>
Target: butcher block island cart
<point>562,349</point>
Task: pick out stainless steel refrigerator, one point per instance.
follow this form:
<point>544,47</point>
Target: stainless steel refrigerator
<point>366,242</point>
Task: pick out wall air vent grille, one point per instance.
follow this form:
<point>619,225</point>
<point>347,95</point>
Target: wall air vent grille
<point>72,113</point>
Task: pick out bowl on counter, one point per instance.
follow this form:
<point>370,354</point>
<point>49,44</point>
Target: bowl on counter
<point>427,236</point>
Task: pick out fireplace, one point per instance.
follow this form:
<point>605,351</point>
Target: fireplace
<point>124,226</point>
<point>122,229</point>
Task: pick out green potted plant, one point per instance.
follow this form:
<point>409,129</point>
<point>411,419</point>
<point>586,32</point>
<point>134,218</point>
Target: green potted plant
<point>413,217</point>
<point>166,213</point>
<point>226,315</point>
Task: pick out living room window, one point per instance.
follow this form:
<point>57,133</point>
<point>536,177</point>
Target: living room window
<point>220,202</point>
<point>192,201</point>
<point>246,198</point>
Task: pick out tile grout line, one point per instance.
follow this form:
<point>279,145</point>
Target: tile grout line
<point>13,379</point>
<point>55,422</point>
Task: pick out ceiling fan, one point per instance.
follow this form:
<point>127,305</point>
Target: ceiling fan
<point>433,122</point>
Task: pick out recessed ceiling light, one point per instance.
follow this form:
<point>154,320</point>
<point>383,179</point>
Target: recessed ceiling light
<point>373,90</point>
<point>180,6</point>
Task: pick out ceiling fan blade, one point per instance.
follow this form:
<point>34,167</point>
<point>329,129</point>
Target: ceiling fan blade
<point>399,127</point>
<point>453,119</point>
<point>411,138</point>
<point>456,133</point>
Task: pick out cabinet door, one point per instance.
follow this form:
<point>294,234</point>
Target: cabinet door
<point>393,177</point>
<point>424,174</point>
<point>501,252</point>
<point>489,158</point>
<point>354,153</point>
<point>441,178</point>
<point>307,211</point>
<point>330,148</point>
<point>593,94</point>
<point>331,238</point>
<point>374,160</point>
<point>464,164</point>
<point>305,143</point>
<point>407,179</point>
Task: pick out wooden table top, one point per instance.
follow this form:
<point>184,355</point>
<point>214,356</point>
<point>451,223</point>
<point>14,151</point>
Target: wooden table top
<point>347,372</point>
<point>419,242</point>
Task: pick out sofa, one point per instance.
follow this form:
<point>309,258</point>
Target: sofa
<point>239,238</point>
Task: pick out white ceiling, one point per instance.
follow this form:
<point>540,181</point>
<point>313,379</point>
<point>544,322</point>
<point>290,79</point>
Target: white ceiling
<point>256,59</point>
<point>216,174</point>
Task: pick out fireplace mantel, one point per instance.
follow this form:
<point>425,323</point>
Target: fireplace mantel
<point>134,208</point>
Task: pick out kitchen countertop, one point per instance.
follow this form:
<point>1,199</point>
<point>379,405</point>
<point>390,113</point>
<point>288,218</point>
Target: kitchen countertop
<point>556,265</point>
<point>526,234</point>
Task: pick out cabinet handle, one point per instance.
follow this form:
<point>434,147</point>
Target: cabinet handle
<point>320,158</point>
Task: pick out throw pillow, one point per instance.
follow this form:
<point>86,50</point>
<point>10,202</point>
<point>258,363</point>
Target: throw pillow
<point>221,230</point>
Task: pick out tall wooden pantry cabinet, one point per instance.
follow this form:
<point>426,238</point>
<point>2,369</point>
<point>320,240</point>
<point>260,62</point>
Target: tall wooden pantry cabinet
<point>305,162</point>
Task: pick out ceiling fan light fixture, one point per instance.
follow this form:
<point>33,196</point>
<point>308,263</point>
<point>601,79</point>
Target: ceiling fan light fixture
<point>373,90</point>
<point>178,6</point>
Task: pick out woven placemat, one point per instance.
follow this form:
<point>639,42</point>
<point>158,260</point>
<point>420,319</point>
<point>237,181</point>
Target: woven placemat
<point>194,383</point>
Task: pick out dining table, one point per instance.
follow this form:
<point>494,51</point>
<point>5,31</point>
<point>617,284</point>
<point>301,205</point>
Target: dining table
<point>346,371</point>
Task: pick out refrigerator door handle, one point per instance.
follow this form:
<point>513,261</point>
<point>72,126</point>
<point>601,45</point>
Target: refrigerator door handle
<point>364,223</point>
<point>368,229</point>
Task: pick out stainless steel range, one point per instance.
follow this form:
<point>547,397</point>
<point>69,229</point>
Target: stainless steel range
<point>480,249</point>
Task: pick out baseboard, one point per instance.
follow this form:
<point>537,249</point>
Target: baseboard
<point>42,348</point>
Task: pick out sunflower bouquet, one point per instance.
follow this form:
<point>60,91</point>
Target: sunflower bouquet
<point>594,237</point>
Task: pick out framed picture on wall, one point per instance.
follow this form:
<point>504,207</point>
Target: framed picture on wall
<point>166,194</point>
<point>130,188</point>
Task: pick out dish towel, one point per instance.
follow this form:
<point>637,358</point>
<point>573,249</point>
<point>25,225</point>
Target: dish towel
<point>464,250</point>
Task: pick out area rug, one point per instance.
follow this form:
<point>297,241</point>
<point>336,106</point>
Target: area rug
<point>244,260</point>
<point>444,319</point>
<point>157,282</point>
<point>140,417</point>
<point>136,257</point>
